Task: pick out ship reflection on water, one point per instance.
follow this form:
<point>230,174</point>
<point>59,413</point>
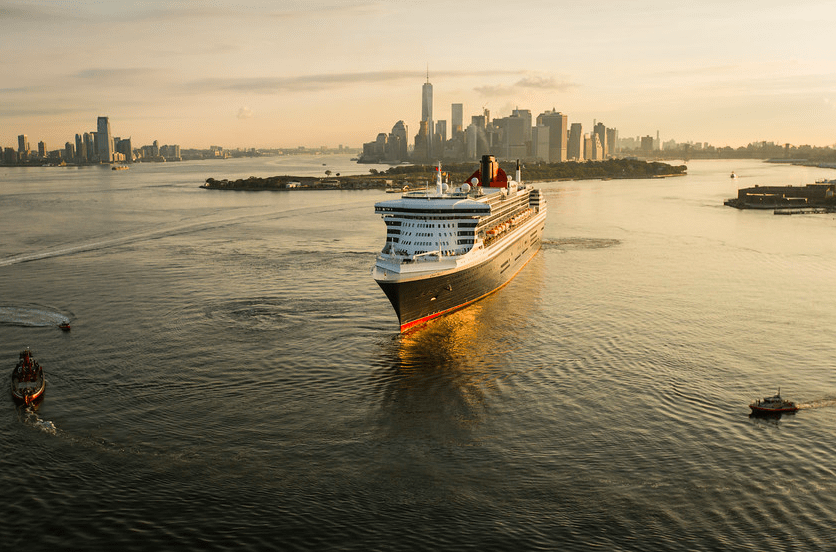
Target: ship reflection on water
<point>432,388</point>
<point>438,383</point>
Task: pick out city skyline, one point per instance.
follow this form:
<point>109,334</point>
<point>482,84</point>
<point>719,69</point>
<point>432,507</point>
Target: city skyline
<point>329,73</point>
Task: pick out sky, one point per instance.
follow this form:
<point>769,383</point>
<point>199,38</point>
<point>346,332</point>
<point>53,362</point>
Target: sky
<point>243,74</point>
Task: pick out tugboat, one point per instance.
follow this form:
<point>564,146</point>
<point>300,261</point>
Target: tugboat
<point>773,405</point>
<point>28,382</point>
<point>65,325</point>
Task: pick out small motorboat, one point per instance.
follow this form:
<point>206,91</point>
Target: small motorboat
<point>773,405</point>
<point>733,175</point>
<point>28,381</point>
<point>64,326</point>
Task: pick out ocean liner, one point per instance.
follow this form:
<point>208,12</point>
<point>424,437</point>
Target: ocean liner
<point>446,248</point>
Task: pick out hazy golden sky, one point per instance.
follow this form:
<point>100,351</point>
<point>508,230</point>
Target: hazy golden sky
<point>329,72</point>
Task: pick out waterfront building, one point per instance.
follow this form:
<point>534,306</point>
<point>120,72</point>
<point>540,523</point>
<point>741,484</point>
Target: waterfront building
<point>69,151</point>
<point>125,148</point>
<point>23,144</point>
<point>104,147</point>
<point>10,156</point>
<point>576,143</point>
<point>89,145</point>
<point>80,153</point>
<point>42,149</point>
<point>558,126</point>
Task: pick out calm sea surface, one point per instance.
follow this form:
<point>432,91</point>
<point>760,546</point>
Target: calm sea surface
<point>235,380</point>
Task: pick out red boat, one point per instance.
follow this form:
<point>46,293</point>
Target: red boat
<point>64,326</point>
<point>28,381</point>
<point>773,405</point>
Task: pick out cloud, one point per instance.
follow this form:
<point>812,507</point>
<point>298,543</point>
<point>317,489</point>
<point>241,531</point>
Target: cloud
<point>526,83</point>
<point>245,113</point>
<point>125,77</point>
<point>327,81</point>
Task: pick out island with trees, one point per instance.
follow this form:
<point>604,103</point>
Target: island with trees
<point>413,176</point>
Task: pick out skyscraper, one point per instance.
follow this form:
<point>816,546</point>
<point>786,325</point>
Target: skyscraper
<point>558,133</point>
<point>600,131</point>
<point>23,144</point>
<point>457,119</point>
<point>105,140</point>
<point>427,112</point>
<point>89,146</point>
<point>575,149</point>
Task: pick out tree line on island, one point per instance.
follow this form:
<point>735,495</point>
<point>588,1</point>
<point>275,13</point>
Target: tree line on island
<point>457,173</point>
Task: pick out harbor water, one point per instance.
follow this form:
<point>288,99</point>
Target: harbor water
<point>234,379</point>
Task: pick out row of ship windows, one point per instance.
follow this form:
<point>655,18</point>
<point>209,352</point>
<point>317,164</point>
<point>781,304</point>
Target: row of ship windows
<point>421,225</point>
<point>393,232</point>
<point>398,240</point>
<point>391,222</point>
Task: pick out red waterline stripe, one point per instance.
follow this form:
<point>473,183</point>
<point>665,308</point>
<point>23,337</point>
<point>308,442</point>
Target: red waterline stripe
<point>451,309</point>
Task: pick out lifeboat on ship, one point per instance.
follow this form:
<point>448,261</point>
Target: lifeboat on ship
<point>28,383</point>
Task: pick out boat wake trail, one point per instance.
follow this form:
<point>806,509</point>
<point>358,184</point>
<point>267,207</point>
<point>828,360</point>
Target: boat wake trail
<point>31,316</point>
<point>567,244</point>
<point>30,417</point>
<point>821,403</point>
<point>203,223</point>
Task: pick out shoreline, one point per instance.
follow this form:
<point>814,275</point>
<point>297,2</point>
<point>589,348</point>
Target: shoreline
<point>417,176</point>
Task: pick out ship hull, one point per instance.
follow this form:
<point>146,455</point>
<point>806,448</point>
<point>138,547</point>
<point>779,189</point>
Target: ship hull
<point>421,299</point>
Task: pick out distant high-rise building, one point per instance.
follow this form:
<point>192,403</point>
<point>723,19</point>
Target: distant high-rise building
<point>575,147</point>
<point>525,114</point>
<point>80,153</point>
<point>89,145</point>
<point>42,149</point>
<point>23,144</point>
<point>441,131</point>
<point>421,152</point>
<point>69,151</point>
<point>600,131</point>
<point>593,150</point>
<point>457,119</point>
<point>104,148</point>
<point>126,148</point>
<point>398,141</point>
<point>540,142</point>
<point>558,125</point>
<point>427,113</point>
<point>612,142</point>
<point>511,136</point>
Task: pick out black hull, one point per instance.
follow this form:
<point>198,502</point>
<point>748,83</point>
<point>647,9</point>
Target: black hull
<point>420,300</point>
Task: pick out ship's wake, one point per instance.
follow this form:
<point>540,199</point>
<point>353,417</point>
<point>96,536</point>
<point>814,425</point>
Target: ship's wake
<point>566,244</point>
<point>185,226</point>
<point>31,316</point>
<point>31,418</point>
<point>820,403</point>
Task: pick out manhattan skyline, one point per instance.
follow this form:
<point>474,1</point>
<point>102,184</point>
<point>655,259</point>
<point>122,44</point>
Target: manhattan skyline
<point>326,73</point>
